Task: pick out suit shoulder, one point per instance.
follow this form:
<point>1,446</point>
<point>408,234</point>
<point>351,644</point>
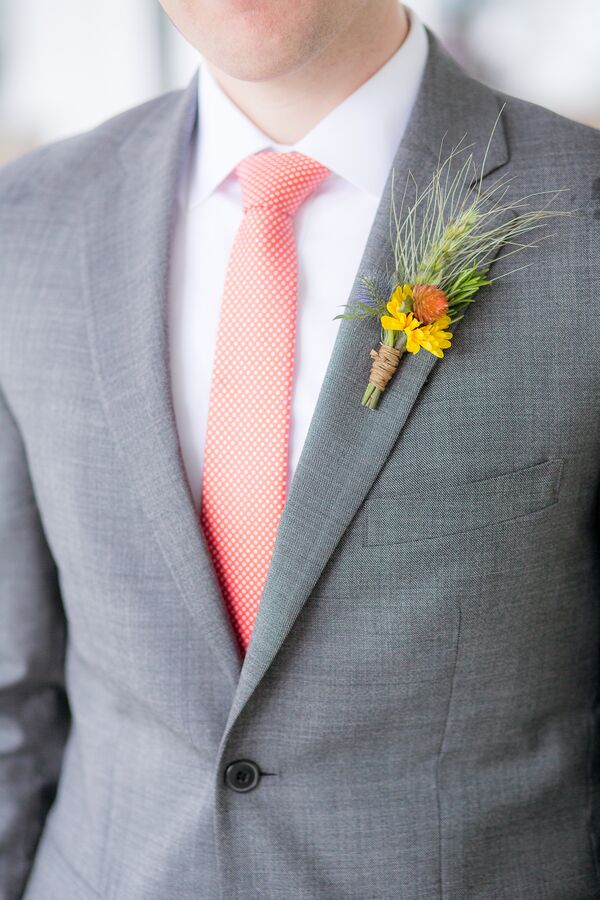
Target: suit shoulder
<point>549,152</point>
<point>533,129</point>
<point>56,173</point>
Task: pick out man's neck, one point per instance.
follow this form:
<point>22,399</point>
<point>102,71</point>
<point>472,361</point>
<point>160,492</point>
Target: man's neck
<point>288,107</point>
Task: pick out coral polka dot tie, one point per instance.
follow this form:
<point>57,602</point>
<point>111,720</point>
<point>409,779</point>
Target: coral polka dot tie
<point>246,450</point>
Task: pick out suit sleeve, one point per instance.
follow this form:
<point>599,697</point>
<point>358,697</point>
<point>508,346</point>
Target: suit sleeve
<point>34,714</point>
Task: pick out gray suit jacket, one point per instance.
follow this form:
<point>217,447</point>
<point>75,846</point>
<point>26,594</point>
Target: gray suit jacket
<point>421,685</point>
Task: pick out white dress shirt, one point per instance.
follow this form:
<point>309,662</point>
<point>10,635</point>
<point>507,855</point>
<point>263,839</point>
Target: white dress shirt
<point>357,141</point>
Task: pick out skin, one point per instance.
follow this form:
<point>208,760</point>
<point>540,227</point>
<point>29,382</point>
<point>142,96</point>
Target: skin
<point>287,63</point>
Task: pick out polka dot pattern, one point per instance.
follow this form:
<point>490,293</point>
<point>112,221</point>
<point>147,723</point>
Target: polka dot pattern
<point>245,457</point>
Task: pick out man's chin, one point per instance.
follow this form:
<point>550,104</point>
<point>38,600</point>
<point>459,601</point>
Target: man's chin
<point>256,66</point>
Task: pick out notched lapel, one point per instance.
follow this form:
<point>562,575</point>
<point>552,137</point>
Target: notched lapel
<point>127,238</point>
<point>347,444</point>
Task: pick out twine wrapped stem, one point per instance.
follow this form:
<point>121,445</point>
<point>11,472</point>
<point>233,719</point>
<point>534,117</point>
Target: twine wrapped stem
<point>385,363</point>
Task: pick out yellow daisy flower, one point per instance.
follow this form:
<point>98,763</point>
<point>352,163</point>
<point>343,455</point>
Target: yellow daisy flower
<point>434,337</point>
<point>401,321</point>
<point>399,305</point>
<point>402,297</point>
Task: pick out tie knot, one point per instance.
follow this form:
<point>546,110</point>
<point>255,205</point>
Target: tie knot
<point>280,181</point>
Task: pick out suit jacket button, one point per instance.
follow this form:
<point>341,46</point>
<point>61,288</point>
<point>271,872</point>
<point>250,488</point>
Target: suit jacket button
<point>242,775</point>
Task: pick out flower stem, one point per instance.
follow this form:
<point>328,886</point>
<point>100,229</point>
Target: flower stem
<point>368,391</point>
<point>374,397</point>
<point>372,394</point>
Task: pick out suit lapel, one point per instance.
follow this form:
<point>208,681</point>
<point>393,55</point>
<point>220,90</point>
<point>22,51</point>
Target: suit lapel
<point>347,444</point>
<point>127,238</point>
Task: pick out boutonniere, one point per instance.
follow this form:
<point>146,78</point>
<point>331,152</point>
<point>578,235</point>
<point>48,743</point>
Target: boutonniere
<point>443,246</point>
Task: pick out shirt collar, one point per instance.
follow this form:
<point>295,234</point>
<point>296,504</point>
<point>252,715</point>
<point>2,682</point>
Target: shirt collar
<point>357,140</point>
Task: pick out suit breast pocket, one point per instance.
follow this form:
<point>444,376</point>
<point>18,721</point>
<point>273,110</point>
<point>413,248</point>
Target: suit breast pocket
<point>439,509</point>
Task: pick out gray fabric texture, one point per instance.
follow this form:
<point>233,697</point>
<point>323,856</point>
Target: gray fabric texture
<point>421,684</point>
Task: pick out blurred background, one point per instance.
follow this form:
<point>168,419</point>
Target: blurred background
<point>66,65</point>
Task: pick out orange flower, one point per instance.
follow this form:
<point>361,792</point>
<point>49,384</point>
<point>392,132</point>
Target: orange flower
<point>429,302</point>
